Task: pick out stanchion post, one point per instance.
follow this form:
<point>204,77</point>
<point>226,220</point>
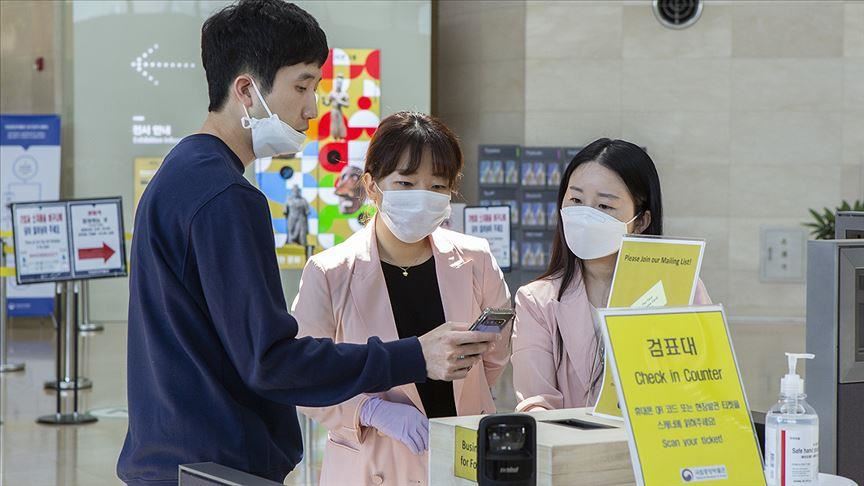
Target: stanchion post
<point>71,292</point>
<point>59,294</point>
<point>57,316</point>
<point>5,365</point>
<point>69,326</point>
<point>308,448</point>
<point>86,325</point>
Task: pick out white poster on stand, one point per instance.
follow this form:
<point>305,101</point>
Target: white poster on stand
<point>493,224</point>
<point>97,238</point>
<point>29,171</point>
<point>69,240</point>
<point>41,242</point>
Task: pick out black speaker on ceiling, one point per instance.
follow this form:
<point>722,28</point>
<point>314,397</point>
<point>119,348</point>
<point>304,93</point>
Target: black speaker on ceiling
<point>677,14</point>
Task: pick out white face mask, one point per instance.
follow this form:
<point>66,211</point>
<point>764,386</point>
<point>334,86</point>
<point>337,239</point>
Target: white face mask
<point>412,215</point>
<point>271,136</point>
<point>591,233</point>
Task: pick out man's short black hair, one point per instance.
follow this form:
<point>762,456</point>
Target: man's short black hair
<point>259,37</point>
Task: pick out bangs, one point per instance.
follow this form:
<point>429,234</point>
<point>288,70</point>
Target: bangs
<point>446,162</point>
<point>412,134</point>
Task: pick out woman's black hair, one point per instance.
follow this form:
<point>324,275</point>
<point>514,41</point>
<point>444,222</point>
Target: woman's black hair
<point>637,170</point>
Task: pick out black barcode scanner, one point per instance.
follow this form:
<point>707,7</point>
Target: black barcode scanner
<point>507,450</point>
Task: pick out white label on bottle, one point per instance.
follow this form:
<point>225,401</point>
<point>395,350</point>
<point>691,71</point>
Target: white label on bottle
<point>791,456</point>
<point>771,455</point>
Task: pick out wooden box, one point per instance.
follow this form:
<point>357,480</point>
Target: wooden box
<point>565,455</point>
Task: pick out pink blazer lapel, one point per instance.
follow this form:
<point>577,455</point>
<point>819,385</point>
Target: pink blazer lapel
<point>370,298</point>
<point>576,324</point>
<point>456,284</point>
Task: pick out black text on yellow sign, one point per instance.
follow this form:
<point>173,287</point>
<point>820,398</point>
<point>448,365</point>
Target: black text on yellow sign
<point>465,454</point>
<point>681,396</point>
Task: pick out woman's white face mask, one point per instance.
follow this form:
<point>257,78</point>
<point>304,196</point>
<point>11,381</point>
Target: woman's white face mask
<point>591,233</point>
<point>412,215</point>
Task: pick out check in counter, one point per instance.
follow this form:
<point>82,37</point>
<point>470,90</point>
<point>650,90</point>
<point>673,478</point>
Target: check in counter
<point>577,453</point>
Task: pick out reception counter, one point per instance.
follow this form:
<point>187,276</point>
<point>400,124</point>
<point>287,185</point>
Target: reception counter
<point>566,455</point>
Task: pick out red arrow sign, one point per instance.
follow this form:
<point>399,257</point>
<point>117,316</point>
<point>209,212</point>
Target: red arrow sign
<point>105,253</point>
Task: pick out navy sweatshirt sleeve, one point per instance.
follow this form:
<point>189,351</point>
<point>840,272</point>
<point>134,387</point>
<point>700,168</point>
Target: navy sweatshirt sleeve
<point>214,366</point>
<point>244,299</point>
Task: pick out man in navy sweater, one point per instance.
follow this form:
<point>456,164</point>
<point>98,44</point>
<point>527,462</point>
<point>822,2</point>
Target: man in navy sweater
<point>214,365</point>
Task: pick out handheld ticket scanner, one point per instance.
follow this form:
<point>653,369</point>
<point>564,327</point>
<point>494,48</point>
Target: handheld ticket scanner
<point>507,450</point>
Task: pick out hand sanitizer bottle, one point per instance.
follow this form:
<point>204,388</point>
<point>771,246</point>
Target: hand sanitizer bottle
<point>792,434</point>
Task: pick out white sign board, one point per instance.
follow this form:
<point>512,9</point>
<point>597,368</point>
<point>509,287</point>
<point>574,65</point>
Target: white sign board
<point>491,223</point>
<point>41,242</point>
<point>68,240</point>
<point>97,238</point>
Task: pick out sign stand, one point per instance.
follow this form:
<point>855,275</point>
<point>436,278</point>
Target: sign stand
<point>59,417</point>
<point>66,242</point>
<point>71,345</point>
<point>86,324</point>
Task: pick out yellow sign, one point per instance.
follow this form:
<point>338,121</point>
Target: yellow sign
<point>145,169</point>
<point>656,272</point>
<point>607,400</point>
<point>465,452</point>
<point>650,272</point>
<point>6,250</point>
<point>683,400</point>
<point>291,257</point>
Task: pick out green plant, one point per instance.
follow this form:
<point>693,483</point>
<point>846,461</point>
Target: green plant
<point>823,227</point>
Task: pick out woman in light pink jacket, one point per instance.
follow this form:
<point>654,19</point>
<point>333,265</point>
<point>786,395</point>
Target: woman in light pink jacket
<point>610,188</point>
<point>401,276</point>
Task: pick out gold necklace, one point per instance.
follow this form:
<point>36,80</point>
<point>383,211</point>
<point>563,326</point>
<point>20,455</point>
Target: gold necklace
<point>405,269</point>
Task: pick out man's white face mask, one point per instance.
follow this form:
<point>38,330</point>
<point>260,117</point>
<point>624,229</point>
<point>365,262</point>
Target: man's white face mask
<point>271,136</point>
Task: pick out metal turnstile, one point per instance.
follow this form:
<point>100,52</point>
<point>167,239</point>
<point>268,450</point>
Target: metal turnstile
<point>849,225</point>
<point>835,334</point>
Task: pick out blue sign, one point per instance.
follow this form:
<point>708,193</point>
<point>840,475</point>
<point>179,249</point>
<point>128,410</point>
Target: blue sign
<point>29,130</point>
<point>29,171</point>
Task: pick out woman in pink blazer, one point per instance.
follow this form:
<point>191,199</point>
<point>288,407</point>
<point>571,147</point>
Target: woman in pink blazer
<point>401,275</point>
<point>610,188</point>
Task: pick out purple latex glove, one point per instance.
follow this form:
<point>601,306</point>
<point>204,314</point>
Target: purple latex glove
<point>398,421</point>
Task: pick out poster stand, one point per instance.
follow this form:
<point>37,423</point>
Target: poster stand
<point>68,356</point>
<point>66,242</point>
<point>86,324</point>
<point>71,291</point>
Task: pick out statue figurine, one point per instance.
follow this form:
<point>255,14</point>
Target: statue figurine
<point>350,191</point>
<point>296,217</point>
<point>337,100</point>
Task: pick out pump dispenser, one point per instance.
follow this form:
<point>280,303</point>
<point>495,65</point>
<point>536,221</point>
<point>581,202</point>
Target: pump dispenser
<point>792,433</point>
<point>792,383</point>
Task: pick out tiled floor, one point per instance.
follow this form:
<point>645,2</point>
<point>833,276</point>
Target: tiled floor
<point>39,455</point>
